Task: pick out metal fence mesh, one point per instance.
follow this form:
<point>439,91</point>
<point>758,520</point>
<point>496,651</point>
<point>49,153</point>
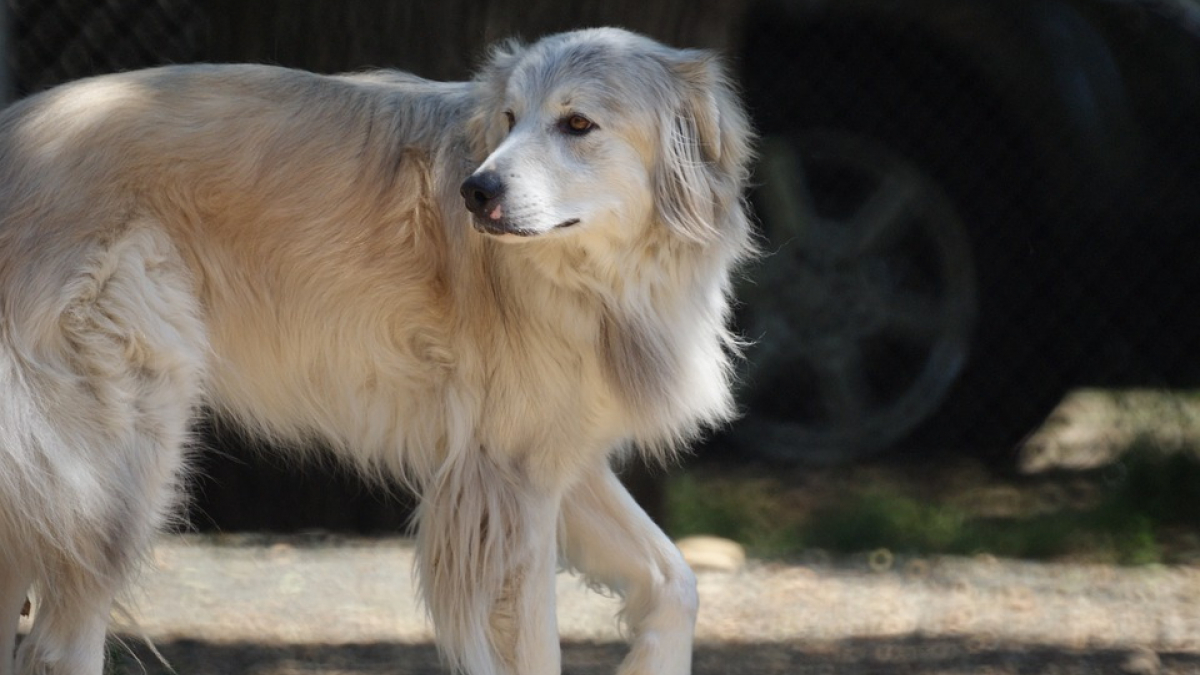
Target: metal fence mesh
<point>60,40</point>
<point>1013,252</point>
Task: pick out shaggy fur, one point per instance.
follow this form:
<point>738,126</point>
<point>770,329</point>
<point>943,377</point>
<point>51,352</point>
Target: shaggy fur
<point>293,251</point>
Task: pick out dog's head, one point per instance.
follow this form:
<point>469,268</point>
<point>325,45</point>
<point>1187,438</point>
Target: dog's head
<point>603,128</point>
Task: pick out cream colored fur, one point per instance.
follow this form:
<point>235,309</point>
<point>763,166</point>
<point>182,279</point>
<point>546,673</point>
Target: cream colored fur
<point>292,250</point>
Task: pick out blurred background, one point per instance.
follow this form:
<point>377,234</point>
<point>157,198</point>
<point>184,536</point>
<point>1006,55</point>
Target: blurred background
<point>975,328</point>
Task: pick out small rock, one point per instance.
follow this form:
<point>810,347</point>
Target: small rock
<point>706,553</point>
<point>1142,661</point>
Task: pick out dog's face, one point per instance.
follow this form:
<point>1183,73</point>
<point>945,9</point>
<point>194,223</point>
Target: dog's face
<point>605,130</point>
<point>566,160</point>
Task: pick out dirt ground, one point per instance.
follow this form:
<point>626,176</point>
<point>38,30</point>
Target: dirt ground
<point>895,656</point>
<point>329,606</point>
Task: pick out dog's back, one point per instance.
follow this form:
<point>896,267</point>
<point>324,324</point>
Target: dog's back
<point>297,204</point>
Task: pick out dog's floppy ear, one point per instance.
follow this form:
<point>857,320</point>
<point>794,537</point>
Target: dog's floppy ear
<point>703,161</point>
<point>486,127</point>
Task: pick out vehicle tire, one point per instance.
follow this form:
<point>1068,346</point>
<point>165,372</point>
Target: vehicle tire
<point>863,310</point>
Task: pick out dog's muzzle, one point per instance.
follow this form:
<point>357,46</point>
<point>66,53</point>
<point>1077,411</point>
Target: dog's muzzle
<point>482,193</point>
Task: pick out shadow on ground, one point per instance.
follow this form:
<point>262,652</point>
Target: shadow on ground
<point>916,656</point>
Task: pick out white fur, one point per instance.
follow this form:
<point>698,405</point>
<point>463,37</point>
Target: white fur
<point>291,249</point>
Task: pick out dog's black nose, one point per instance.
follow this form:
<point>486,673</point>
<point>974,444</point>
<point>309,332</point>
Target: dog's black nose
<point>481,192</point>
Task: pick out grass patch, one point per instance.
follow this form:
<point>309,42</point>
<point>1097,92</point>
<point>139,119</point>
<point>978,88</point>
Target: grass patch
<point>903,524</point>
<point>747,510</point>
<point>1140,504</point>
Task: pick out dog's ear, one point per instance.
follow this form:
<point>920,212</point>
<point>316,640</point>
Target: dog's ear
<point>705,152</point>
<point>486,127</point>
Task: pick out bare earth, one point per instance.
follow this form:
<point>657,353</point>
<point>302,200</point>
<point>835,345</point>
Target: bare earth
<point>329,606</point>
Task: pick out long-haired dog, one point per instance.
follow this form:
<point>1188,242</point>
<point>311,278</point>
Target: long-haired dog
<point>294,251</point>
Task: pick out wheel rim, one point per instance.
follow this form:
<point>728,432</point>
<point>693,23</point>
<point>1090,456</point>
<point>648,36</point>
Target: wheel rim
<point>863,309</point>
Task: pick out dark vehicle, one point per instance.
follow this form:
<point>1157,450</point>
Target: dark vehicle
<point>968,207</point>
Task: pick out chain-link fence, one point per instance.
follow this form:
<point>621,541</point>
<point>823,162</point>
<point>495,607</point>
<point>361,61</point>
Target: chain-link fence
<point>969,208</point>
<point>59,40</point>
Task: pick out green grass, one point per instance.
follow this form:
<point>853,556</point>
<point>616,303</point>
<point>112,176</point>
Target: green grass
<point>902,523</point>
<point>748,511</point>
<point>1153,496</point>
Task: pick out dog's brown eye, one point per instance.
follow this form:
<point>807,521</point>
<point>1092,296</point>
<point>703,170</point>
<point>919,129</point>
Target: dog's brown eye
<point>577,125</point>
<point>510,118</point>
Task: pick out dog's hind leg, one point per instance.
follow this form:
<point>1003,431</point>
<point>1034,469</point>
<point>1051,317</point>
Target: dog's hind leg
<point>67,639</point>
<point>610,539</point>
<point>14,587</point>
<point>112,384</point>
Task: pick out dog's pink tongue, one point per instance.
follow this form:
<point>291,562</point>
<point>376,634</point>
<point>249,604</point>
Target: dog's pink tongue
<point>496,213</point>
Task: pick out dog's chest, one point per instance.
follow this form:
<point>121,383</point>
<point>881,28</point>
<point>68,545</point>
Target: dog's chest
<point>546,387</point>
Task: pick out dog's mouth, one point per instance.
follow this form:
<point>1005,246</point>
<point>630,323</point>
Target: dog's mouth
<point>503,226</point>
<point>500,227</point>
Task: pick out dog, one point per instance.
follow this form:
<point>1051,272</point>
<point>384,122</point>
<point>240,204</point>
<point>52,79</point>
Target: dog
<point>483,289</point>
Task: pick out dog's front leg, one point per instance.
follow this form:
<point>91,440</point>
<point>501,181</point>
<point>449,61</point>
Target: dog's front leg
<point>487,561</point>
<point>611,540</point>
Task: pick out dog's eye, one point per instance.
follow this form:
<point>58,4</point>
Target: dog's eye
<point>576,125</point>
<point>510,118</point>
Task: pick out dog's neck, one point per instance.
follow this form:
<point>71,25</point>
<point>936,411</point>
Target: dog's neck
<point>653,314</point>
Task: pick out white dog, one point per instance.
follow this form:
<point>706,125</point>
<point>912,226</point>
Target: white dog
<point>293,250</point>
